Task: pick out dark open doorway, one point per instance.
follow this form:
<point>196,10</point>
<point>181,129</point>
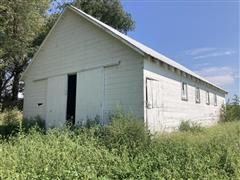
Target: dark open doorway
<point>71,98</point>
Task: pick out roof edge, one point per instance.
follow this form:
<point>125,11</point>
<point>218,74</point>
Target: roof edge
<point>40,47</point>
<point>135,45</point>
<point>99,24</point>
<point>126,40</point>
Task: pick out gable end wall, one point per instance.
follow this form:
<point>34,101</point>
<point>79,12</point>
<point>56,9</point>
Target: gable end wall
<point>75,45</point>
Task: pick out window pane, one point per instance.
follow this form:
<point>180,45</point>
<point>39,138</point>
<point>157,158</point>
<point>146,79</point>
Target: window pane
<point>184,91</point>
<point>155,93</point>
<point>197,92</point>
<point>207,98</point>
<point>215,100</point>
<point>149,94</point>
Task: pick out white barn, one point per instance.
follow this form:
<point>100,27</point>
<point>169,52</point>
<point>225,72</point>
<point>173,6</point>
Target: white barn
<point>84,68</point>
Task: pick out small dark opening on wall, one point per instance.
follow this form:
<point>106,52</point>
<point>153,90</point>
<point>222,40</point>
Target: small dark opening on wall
<point>71,98</point>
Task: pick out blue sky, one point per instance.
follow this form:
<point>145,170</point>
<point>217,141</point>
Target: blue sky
<point>203,36</point>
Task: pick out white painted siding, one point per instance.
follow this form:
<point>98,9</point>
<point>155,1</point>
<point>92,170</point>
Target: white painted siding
<point>123,89</point>
<point>173,108</point>
<point>89,99</point>
<point>56,101</point>
<point>75,45</point>
<point>35,99</point>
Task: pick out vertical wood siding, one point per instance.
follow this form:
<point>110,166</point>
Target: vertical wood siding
<point>89,98</point>
<point>76,44</point>
<point>56,101</point>
<point>35,99</point>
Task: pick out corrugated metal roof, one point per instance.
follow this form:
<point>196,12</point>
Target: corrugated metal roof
<point>140,47</point>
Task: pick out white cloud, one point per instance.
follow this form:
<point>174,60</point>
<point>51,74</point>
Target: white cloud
<point>201,65</point>
<point>215,54</point>
<point>208,52</point>
<point>197,51</point>
<point>221,79</point>
<point>218,75</point>
<point>237,76</point>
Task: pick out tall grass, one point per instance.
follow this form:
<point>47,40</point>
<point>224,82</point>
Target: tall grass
<point>122,150</point>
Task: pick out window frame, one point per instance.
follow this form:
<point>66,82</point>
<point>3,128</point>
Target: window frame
<point>184,91</point>
<point>197,95</point>
<point>207,98</point>
<point>215,99</point>
<point>152,93</point>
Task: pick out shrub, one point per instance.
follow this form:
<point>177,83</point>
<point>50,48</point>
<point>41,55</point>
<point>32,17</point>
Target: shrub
<point>124,132</point>
<point>210,154</point>
<point>92,123</point>
<point>11,117</point>
<point>36,122</point>
<point>65,154</point>
<point>10,122</point>
<point>231,112</point>
<point>190,126</point>
<point>122,150</point>
<point>59,154</point>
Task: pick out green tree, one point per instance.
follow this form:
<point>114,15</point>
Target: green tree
<point>231,112</point>
<point>110,12</point>
<point>21,21</point>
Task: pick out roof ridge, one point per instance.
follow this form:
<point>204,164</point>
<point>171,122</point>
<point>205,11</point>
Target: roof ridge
<point>143,48</point>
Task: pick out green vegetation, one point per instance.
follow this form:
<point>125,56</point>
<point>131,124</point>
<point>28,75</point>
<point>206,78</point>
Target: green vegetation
<point>122,150</point>
<point>10,122</point>
<point>231,112</point>
<point>190,126</point>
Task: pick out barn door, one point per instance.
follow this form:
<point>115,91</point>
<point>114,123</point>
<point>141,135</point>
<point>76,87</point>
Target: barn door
<point>153,104</point>
<point>90,90</point>
<point>56,101</point>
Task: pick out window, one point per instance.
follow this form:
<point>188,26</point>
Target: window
<point>197,94</point>
<point>215,100</point>
<point>184,91</point>
<point>153,94</point>
<point>207,98</point>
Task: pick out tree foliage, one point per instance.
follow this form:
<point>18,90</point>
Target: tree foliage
<point>110,12</point>
<point>21,21</point>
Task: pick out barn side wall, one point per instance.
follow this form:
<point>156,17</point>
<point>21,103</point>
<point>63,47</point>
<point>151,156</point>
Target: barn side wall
<point>76,45</point>
<point>173,109</point>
